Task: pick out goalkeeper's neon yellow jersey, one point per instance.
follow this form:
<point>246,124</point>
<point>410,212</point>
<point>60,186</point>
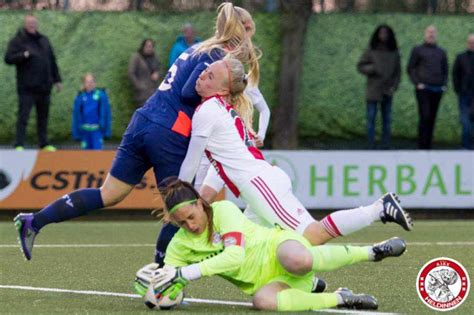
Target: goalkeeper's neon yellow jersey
<point>249,265</point>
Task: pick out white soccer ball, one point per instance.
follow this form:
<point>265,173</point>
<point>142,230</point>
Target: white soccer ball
<point>154,300</point>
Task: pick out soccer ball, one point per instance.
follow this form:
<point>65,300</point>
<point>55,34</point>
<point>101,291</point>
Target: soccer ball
<point>153,299</point>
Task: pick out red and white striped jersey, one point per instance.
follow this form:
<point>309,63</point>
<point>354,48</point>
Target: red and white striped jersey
<point>230,146</point>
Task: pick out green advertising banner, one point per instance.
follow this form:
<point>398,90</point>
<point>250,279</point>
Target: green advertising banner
<point>342,179</point>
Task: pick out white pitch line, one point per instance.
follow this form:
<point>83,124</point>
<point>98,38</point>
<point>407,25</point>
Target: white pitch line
<point>150,245</point>
<point>191,300</point>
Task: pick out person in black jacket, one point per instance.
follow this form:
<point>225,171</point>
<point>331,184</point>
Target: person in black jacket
<point>428,70</point>
<point>463,81</point>
<point>36,73</point>
<point>381,64</point>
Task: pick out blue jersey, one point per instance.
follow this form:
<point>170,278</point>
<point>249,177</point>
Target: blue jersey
<point>159,132</point>
<point>172,105</point>
<point>91,112</point>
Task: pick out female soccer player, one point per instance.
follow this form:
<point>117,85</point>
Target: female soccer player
<point>218,130</point>
<point>158,133</point>
<point>275,266</point>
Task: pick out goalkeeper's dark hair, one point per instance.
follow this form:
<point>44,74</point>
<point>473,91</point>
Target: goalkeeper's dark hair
<point>174,191</point>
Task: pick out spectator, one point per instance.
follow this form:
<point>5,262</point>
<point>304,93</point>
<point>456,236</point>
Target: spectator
<point>381,64</point>
<point>183,42</point>
<point>91,118</point>
<point>143,71</point>
<point>463,81</point>
<point>428,70</point>
<point>36,73</point>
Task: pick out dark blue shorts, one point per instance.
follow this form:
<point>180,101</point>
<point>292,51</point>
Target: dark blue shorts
<point>146,144</point>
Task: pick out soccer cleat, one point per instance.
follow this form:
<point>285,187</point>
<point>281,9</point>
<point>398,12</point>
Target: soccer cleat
<point>393,247</point>
<point>393,212</point>
<point>26,232</point>
<point>319,285</point>
<point>356,301</point>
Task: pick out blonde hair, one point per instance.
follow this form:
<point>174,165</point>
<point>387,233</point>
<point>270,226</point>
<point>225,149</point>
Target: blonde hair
<point>239,80</point>
<point>231,33</point>
<point>84,77</point>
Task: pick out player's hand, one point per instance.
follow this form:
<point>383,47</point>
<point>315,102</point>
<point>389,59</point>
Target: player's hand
<point>144,277</point>
<point>258,141</point>
<point>420,86</point>
<point>26,54</point>
<point>176,287</point>
<point>169,282</point>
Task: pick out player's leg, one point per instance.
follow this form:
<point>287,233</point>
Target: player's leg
<point>255,218</point>
<point>339,223</point>
<point>299,259</point>
<point>162,171</point>
<point>291,291</point>
<point>166,159</point>
<point>268,195</point>
<point>75,204</point>
<point>385,209</point>
<point>279,296</point>
<point>127,171</point>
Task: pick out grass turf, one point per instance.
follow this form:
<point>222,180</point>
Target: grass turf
<point>112,268</point>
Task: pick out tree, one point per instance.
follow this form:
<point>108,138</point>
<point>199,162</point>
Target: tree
<point>294,22</point>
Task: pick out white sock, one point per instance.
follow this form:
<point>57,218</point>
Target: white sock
<point>345,222</point>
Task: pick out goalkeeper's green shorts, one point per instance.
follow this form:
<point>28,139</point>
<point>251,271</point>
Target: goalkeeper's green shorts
<point>276,272</point>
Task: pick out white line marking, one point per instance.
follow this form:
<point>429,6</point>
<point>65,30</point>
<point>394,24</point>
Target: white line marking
<point>150,245</point>
<point>418,243</point>
<point>192,300</point>
<point>81,245</point>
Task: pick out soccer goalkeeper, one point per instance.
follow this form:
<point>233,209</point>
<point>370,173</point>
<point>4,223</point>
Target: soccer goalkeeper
<point>275,266</point>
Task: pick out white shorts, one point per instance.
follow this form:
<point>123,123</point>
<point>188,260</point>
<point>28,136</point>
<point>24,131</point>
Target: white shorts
<point>270,196</point>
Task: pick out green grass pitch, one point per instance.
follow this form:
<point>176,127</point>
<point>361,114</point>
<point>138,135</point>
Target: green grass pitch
<point>112,268</point>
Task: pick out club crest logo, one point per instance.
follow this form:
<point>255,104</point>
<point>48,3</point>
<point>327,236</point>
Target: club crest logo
<point>216,238</point>
<point>443,284</point>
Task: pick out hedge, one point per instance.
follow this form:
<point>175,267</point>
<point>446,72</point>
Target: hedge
<point>332,102</point>
<point>102,43</point>
<point>331,98</point>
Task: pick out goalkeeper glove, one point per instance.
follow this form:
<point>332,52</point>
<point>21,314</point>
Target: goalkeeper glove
<point>170,282</point>
<point>176,287</point>
<point>144,277</point>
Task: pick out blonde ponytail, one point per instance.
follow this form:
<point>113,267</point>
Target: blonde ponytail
<point>244,108</point>
<point>239,81</point>
<point>231,36</point>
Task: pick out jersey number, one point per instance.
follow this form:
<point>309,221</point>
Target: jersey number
<point>166,84</point>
